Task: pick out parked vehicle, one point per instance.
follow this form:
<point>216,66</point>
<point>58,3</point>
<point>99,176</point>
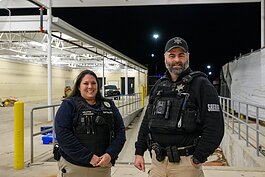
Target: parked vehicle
<point>111,91</point>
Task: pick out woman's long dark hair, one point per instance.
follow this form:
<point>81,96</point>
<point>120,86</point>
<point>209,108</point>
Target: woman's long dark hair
<point>76,91</point>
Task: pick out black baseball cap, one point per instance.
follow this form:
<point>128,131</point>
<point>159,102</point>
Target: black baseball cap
<point>175,43</point>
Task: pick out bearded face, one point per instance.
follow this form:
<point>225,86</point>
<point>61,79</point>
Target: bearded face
<point>176,61</point>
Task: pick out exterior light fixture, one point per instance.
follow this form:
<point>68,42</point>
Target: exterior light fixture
<point>155,36</point>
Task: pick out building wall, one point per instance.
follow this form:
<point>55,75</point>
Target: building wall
<point>28,82</point>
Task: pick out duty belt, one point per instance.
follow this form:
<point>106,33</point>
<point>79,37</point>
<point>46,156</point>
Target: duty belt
<point>173,152</point>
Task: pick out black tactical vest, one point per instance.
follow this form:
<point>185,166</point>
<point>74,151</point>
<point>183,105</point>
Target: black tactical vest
<point>172,112</point>
<point>95,127</point>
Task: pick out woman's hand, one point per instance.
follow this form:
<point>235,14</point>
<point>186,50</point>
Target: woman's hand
<point>94,160</point>
<point>104,160</point>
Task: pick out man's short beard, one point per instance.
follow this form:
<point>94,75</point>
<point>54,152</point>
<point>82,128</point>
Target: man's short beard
<point>177,71</point>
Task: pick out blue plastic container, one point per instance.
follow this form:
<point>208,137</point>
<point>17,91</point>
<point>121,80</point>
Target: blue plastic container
<point>47,139</point>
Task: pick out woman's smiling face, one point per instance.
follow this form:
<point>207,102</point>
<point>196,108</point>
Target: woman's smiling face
<point>89,88</point>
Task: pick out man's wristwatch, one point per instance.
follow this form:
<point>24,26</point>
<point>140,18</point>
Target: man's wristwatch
<point>195,161</point>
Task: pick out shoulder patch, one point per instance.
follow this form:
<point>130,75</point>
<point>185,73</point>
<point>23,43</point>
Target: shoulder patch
<point>107,104</point>
<point>213,108</point>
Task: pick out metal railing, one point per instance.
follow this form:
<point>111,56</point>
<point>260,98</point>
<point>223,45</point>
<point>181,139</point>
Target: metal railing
<point>125,103</point>
<point>128,103</point>
<point>32,134</point>
<point>240,117</point>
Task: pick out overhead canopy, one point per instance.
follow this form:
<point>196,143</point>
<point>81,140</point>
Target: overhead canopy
<point>94,3</point>
<point>84,41</point>
<point>21,39</point>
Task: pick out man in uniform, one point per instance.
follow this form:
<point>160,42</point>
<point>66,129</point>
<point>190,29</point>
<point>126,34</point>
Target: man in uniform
<point>183,122</point>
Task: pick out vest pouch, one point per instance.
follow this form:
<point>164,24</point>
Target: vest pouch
<point>189,120</point>
<point>85,125</point>
<point>165,115</point>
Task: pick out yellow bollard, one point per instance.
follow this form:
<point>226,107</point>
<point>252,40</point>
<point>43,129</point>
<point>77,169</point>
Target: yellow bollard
<point>142,94</point>
<point>19,135</point>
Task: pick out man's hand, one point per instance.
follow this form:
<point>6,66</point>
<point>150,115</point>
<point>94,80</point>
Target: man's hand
<point>195,163</point>
<point>139,162</point>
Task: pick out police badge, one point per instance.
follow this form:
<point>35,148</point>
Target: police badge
<point>180,88</point>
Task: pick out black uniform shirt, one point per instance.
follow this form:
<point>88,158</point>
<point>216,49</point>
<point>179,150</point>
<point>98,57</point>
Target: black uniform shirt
<point>211,127</point>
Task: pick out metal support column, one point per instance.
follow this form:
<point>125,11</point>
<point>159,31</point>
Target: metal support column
<point>49,59</point>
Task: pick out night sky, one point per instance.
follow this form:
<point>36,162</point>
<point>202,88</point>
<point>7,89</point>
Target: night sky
<point>215,33</point>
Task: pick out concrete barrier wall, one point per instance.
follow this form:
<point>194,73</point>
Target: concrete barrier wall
<point>129,118</point>
<point>238,154</point>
